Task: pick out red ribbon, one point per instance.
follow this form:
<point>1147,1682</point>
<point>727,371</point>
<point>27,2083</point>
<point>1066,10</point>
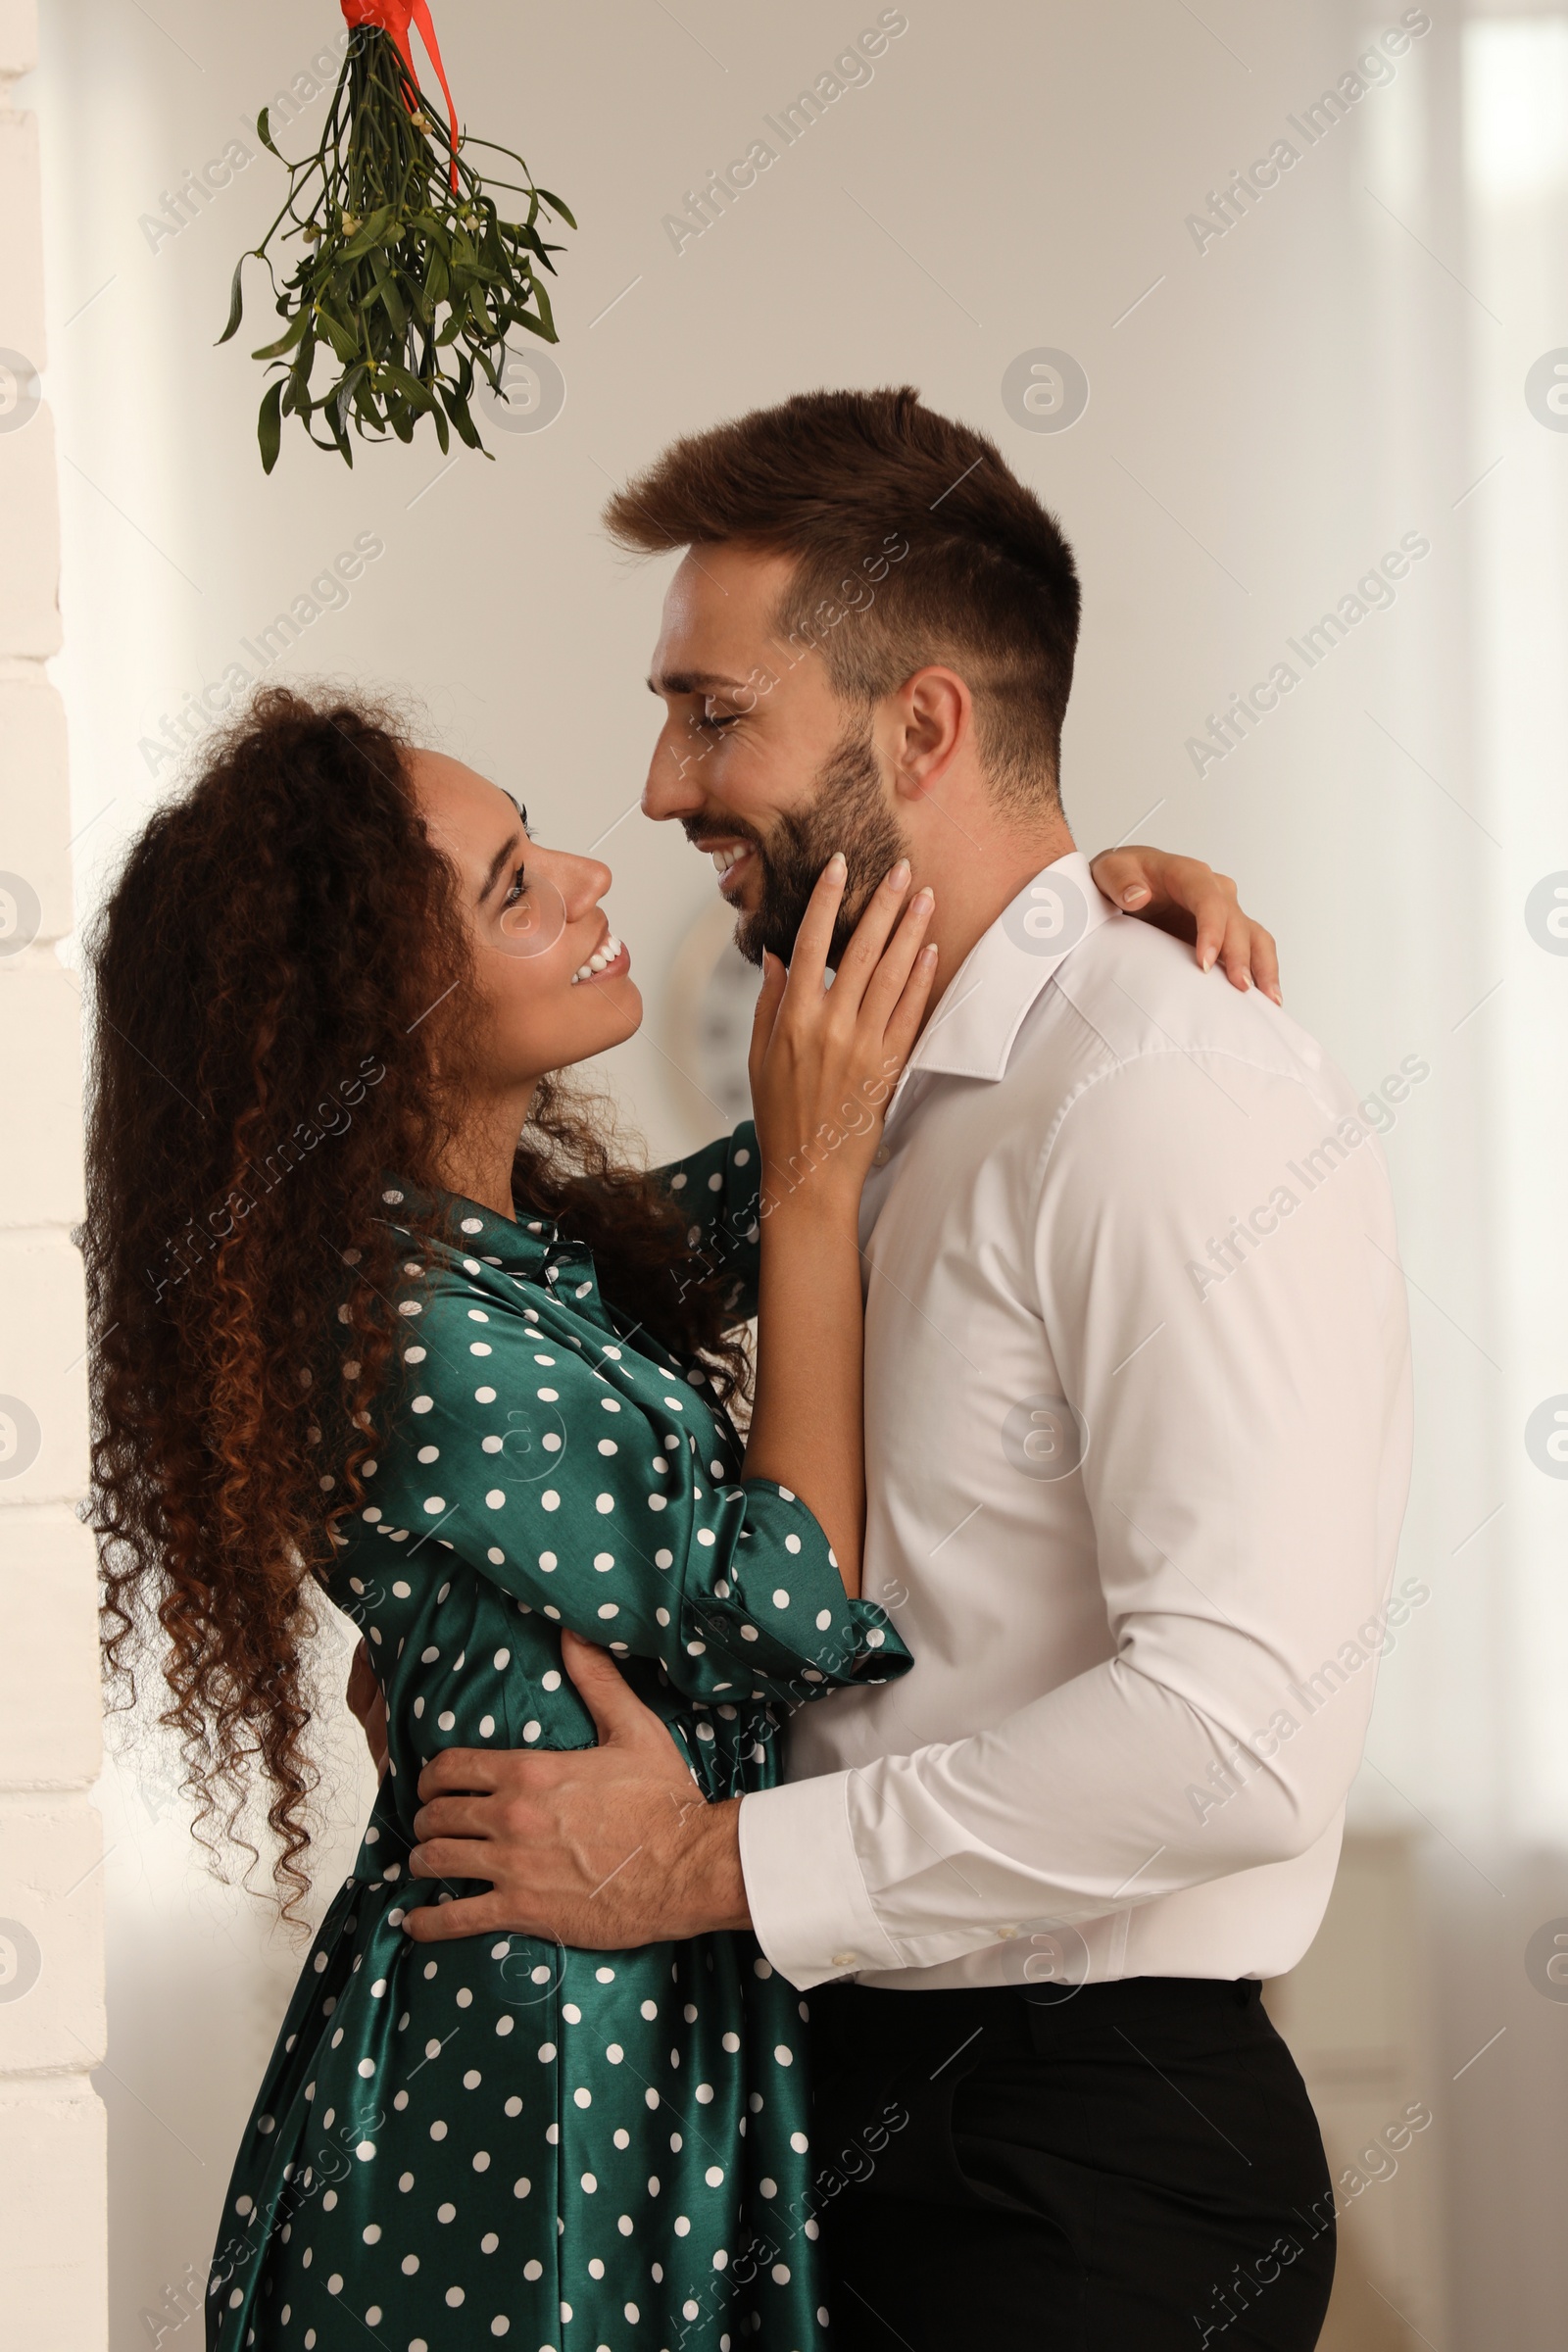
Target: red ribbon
<point>392,16</point>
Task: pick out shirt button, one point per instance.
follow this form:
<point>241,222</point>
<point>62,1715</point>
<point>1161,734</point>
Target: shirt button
<point>880,1156</point>
<point>845,1959</point>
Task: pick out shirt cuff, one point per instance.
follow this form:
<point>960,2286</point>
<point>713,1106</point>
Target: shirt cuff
<point>809,1908</point>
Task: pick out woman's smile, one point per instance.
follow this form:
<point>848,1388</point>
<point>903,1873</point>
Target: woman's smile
<point>610,961</point>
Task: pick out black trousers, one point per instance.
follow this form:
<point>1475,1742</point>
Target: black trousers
<point>1131,2167</point>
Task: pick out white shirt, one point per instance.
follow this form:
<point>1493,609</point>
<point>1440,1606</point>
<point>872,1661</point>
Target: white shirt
<point>1134,1513</point>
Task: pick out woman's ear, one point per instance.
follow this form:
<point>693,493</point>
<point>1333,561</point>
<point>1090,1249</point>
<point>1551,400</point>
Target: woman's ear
<point>934,720</point>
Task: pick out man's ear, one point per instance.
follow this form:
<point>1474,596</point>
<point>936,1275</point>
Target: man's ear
<point>933,714</point>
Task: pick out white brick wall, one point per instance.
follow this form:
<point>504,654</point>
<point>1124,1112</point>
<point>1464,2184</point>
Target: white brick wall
<point>53,2232</point>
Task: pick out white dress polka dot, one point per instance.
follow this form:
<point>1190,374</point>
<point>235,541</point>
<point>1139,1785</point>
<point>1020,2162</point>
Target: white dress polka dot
<point>469,2142</point>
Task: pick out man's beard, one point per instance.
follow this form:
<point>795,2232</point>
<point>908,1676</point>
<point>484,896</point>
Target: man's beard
<point>847,813</point>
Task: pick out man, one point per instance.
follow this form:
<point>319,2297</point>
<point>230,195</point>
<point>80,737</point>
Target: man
<point>1137,1443</point>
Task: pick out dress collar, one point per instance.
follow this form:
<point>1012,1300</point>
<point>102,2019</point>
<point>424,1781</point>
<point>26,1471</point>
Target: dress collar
<point>468,1230</point>
<point>971,1032</point>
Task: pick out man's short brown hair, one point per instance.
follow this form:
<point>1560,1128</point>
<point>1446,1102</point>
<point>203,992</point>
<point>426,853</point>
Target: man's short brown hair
<point>986,583</point>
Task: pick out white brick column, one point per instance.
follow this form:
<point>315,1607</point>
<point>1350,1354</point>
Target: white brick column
<point>53,2234</point>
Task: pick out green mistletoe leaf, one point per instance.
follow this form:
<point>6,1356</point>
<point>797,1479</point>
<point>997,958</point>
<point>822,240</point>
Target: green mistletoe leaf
<point>401,265</point>
<point>285,341</point>
<point>236,300</point>
<point>270,426</point>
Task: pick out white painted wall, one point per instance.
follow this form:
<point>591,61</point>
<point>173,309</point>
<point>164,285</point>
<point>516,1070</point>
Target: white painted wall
<point>1267,416</point>
<point>52,2125</point>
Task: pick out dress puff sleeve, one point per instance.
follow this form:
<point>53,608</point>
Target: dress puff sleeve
<point>718,1191</point>
<point>589,1482</point>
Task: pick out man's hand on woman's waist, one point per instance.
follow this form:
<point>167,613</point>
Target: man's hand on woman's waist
<point>603,1847</point>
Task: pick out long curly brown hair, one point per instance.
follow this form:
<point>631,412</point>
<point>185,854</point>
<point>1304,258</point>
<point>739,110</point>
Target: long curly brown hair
<point>282,987</point>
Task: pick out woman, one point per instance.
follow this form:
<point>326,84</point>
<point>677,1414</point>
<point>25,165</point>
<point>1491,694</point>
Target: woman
<point>353,1338</point>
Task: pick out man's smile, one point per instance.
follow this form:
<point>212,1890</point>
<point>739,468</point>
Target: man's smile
<point>733,860</point>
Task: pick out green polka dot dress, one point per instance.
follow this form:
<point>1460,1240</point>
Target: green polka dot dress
<point>502,2139</point>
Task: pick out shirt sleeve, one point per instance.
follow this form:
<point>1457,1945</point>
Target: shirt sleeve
<point>1247,1435</point>
<point>718,1190</point>
<point>597,1493</point>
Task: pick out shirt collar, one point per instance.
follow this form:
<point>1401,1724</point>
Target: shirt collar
<point>971,1033</point>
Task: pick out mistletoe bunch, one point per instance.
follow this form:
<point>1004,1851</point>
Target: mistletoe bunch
<point>408,282</point>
